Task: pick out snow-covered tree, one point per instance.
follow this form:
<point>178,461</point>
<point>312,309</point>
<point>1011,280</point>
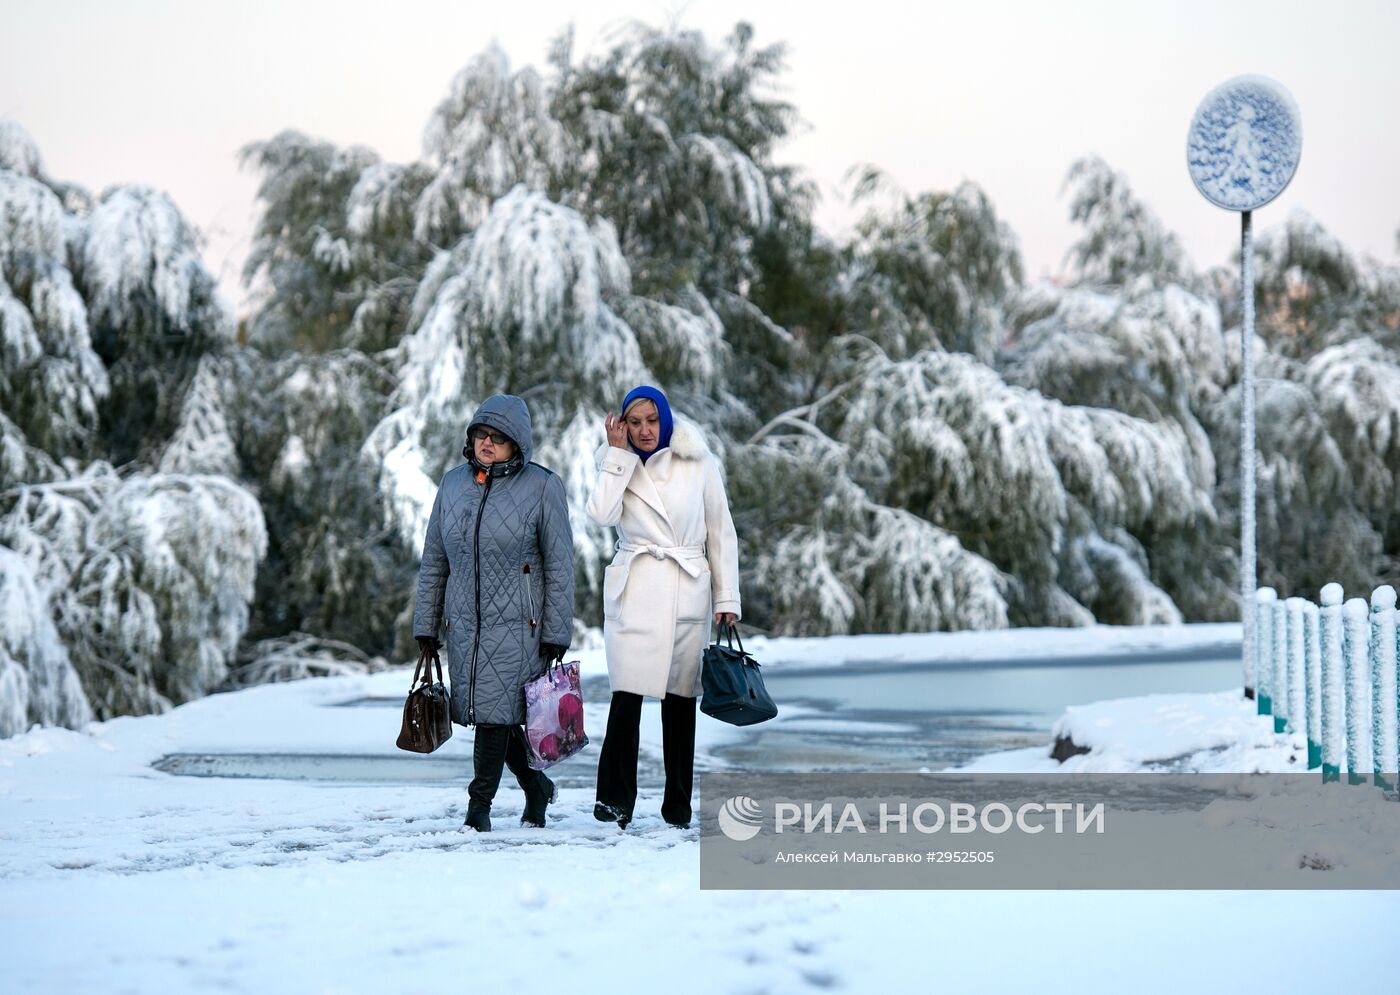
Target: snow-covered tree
<point>51,380</point>
<point>169,572</point>
<point>1016,476</point>
<point>494,131</point>
<point>296,656</point>
<point>344,238</point>
<point>18,152</point>
<point>827,559</point>
<point>941,435</point>
<point>1148,352</point>
<point>1137,334</point>
<point>932,273</point>
<point>124,592</point>
<point>1308,532</point>
<point>333,261</point>
<point>104,311</point>
<point>1326,419</point>
<point>1357,387</point>
<point>150,578</point>
<point>675,140</point>
<point>37,679</point>
<point>203,441</point>
<point>1110,579</point>
<point>153,310</point>
<point>1307,286</point>
<point>535,287</point>
<point>1123,239</point>
<point>333,570</point>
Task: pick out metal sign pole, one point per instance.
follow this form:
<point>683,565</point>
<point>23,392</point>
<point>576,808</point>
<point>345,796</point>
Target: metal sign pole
<point>1248,455</point>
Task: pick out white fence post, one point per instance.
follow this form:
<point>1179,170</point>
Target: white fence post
<point>1297,710</point>
<point>1278,652</point>
<point>1263,649</point>
<point>1356,648</point>
<point>1334,728</point>
<point>1383,699</point>
<point>1312,657</point>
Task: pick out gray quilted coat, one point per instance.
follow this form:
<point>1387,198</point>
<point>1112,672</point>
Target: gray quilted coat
<point>487,526</point>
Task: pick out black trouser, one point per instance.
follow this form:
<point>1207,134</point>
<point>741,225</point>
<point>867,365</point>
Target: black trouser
<point>496,747</point>
<point>617,764</point>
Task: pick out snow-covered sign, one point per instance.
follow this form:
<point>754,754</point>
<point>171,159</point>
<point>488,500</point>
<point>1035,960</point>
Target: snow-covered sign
<point>1244,143</point>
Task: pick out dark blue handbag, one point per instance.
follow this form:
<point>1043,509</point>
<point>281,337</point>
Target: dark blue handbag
<point>733,686</point>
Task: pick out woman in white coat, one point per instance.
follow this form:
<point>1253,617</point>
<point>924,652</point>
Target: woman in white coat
<point>676,570</point>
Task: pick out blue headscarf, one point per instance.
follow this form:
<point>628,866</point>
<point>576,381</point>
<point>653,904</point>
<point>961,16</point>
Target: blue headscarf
<point>663,414</point>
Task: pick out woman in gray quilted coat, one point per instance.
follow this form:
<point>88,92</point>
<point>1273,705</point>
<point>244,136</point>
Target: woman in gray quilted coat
<point>498,570</point>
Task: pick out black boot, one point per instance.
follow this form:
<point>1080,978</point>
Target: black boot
<point>539,790</point>
<point>488,760</point>
<point>478,817</point>
<point>617,761</point>
<point>678,749</point>
<point>604,812</point>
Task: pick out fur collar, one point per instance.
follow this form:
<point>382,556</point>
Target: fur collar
<point>687,441</point>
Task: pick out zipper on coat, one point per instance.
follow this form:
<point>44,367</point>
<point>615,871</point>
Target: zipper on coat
<point>529,595</point>
<point>476,566</point>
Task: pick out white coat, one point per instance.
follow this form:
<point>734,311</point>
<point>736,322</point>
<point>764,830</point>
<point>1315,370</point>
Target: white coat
<point>677,562</point>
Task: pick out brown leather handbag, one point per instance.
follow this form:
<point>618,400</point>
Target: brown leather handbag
<point>427,714</point>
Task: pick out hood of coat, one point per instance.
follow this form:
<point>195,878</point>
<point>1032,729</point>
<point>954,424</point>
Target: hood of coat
<point>508,415</point>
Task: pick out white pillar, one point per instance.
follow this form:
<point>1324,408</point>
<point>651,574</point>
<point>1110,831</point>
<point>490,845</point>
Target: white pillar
<point>1258,676</point>
<point>1296,662</point>
<point>1278,661</point>
<point>1383,701</point>
<point>1356,650</point>
<point>1334,727</point>
<point>1312,658</point>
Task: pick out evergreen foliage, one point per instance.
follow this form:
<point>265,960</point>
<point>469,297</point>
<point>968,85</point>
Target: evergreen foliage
<point>121,591</point>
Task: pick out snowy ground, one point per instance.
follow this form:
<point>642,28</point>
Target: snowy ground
<point>115,876</point>
<point>1194,733</point>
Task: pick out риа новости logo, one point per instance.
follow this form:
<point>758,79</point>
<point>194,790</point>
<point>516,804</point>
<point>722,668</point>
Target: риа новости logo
<point>740,818</point>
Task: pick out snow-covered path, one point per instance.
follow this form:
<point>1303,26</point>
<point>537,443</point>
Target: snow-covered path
<point>118,877</point>
<point>631,918</point>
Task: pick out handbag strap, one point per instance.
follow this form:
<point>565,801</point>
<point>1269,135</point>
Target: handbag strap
<point>559,671</point>
<point>731,635</point>
<point>430,658</point>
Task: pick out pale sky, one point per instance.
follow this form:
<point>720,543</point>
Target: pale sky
<point>1006,94</point>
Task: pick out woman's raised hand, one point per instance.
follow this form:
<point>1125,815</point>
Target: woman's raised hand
<point>617,431</point>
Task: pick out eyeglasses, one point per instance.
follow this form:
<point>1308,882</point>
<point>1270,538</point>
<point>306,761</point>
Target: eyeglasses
<point>497,439</point>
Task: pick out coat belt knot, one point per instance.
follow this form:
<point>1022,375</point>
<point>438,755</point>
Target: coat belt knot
<point>691,559</point>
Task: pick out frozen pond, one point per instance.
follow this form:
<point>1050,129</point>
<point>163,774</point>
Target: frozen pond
<point>932,715</point>
<point>871,717</point>
<point>350,768</point>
